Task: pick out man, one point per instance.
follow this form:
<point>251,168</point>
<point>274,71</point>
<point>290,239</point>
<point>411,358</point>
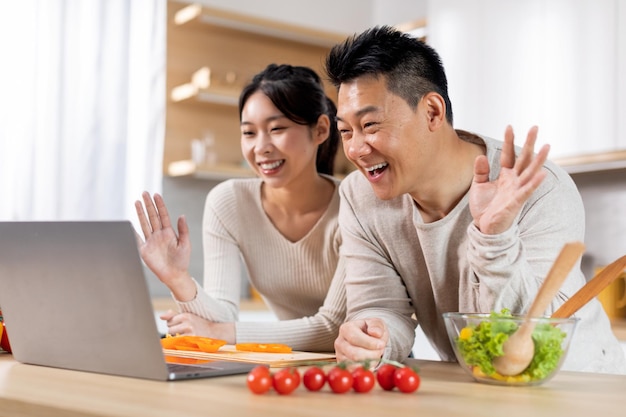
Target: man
<point>439,219</point>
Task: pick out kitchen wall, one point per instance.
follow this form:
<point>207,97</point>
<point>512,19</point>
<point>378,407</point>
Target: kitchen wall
<point>604,197</point>
<point>536,62</point>
<point>342,16</point>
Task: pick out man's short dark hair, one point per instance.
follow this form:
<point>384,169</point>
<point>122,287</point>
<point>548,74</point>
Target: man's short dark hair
<point>410,67</point>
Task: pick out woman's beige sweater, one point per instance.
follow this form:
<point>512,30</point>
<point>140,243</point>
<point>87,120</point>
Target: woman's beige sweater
<point>301,282</point>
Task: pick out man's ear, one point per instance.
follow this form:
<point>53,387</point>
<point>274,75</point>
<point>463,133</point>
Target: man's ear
<point>435,107</point>
<point>321,131</point>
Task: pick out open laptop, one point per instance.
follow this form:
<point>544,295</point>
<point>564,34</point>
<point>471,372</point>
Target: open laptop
<point>74,296</point>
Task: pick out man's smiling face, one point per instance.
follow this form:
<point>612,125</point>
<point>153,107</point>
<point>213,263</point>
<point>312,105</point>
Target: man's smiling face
<point>383,136</point>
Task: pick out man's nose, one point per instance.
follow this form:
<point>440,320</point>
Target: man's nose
<point>357,146</point>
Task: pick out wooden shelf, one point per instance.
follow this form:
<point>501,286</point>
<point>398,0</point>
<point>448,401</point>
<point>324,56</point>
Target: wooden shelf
<point>219,171</point>
<point>211,55</point>
<point>593,162</point>
<point>222,172</point>
<point>208,95</point>
<point>195,14</point>
<point>212,95</point>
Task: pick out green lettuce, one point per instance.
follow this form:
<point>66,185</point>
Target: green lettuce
<point>480,344</point>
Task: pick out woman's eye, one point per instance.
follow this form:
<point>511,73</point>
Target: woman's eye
<point>247,133</point>
<point>276,129</point>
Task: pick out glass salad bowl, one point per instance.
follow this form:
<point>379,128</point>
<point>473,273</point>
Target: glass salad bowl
<point>477,339</point>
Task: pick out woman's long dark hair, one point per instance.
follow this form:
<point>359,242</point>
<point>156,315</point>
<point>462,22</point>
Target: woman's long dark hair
<point>299,94</point>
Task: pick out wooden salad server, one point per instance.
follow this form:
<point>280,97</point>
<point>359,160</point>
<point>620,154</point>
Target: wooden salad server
<point>592,288</point>
<point>519,348</point>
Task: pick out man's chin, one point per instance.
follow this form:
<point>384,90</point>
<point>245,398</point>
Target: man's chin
<point>383,193</point>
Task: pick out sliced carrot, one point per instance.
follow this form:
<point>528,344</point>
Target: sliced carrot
<point>263,347</point>
<point>192,343</point>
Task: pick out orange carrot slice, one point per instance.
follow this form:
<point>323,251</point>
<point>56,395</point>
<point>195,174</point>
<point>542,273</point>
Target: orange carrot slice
<point>263,347</point>
<point>192,343</point>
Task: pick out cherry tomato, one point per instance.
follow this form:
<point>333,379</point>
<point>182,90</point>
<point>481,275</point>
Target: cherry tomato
<point>259,379</point>
<point>314,378</point>
<point>406,379</point>
<point>363,380</point>
<point>286,380</point>
<point>261,370</point>
<point>340,380</point>
<point>384,375</point>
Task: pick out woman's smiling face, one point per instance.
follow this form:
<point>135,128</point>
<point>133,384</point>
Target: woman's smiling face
<point>275,147</point>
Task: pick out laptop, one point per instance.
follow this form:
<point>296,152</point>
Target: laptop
<point>74,296</point>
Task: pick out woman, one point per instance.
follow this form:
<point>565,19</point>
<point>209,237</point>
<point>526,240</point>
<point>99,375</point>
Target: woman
<point>282,225</point>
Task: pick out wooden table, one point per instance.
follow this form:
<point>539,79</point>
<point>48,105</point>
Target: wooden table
<point>446,390</point>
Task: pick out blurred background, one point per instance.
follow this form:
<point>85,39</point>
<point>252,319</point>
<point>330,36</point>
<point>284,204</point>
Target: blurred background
<point>103,99</point>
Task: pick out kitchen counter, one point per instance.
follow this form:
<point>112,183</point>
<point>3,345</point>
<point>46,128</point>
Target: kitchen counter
<point>446,390</point>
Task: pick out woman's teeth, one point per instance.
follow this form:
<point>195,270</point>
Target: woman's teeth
<point>271,165</point>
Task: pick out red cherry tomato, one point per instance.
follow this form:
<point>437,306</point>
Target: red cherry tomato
<point>340,380</point>
<point>314,378</point>
<point>384,375</point>
<point>286,380</point>
<point>260,370</point>
<point>363,380</point>
<point>259,380</point>
<point>406,379</point>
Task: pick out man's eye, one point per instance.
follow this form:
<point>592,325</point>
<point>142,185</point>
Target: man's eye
<point>247,133</point>
<point>345,134</point>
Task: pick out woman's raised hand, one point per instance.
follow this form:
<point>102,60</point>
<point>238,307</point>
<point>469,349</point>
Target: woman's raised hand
<point>166,253</point>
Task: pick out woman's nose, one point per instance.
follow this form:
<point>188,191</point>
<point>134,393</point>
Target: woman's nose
<point>263,144</point>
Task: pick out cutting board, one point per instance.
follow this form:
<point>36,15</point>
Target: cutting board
<point>278,360</point>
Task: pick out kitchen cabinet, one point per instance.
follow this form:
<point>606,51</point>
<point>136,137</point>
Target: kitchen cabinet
<point>557,64</point>
<point>594,162</point>
<point>211,55</point>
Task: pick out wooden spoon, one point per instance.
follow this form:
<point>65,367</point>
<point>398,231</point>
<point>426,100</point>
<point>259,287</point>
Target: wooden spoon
<point>519,348</point>
<point>592,288</point>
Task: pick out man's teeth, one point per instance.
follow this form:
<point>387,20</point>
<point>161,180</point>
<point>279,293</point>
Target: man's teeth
<point>271,165</point>
<point>378,166</point>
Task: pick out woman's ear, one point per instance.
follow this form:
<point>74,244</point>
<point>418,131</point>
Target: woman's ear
<point>321,131</point>
<point>435,107</point>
